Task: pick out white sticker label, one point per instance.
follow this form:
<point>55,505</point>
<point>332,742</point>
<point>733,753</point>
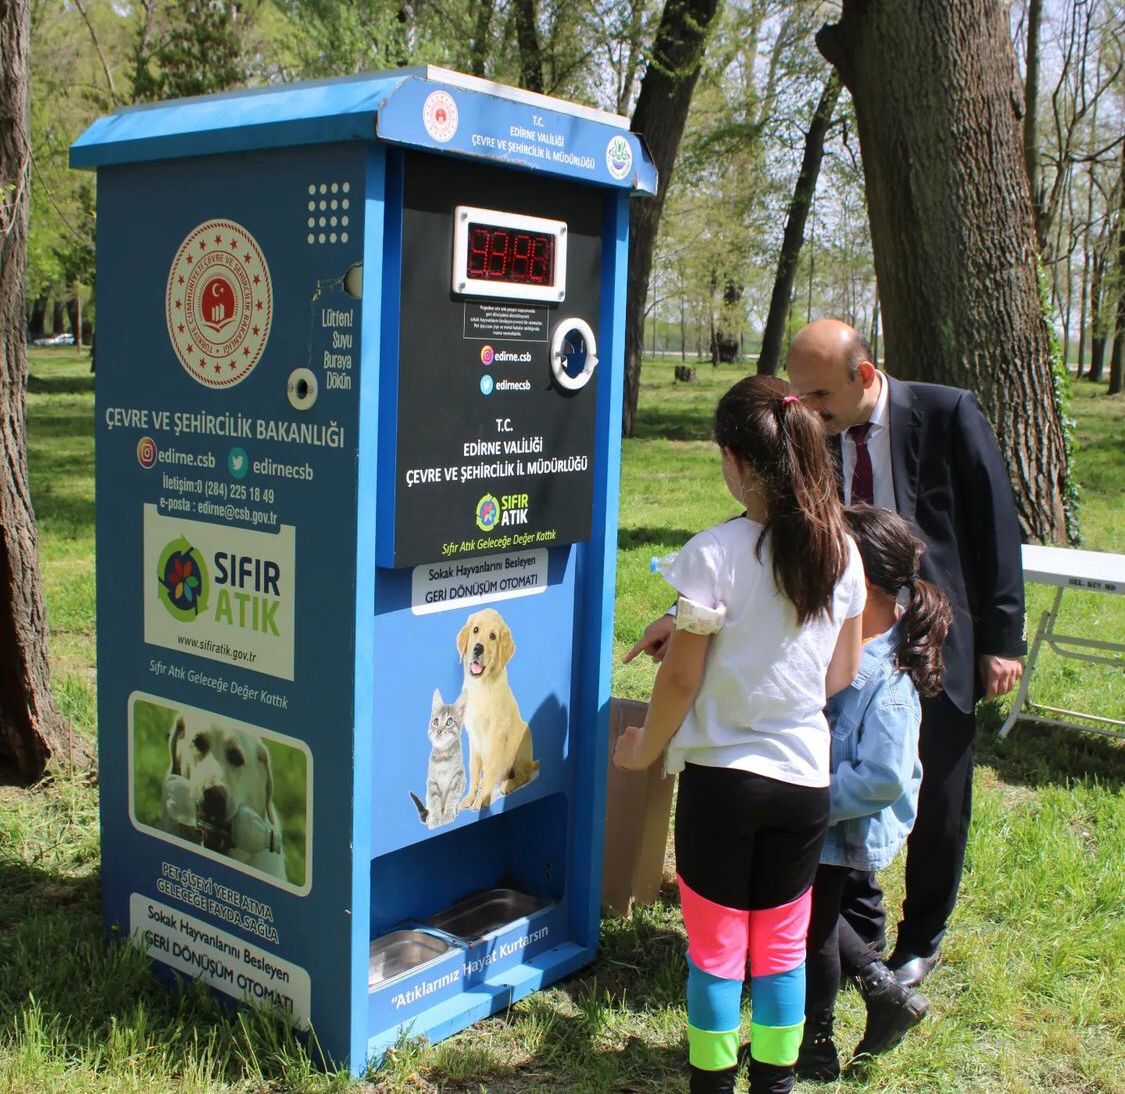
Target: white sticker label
<point>441,586</point>
<point>220,592</point>
<point>439,116</point>
<point>618,157</point>
<point>222,960</point>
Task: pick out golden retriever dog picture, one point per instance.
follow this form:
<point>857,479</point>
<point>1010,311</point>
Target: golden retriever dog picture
<point>219,793</point>
<point>500,757</point>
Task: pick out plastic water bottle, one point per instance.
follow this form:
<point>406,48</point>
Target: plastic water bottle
<point>658,564</point>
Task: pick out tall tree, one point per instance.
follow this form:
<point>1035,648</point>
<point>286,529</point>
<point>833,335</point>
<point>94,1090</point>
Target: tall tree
<point>794,235</point>
<point>33,732</point>
<point>951,223</point>
<point>1115,361</point>
<point>526,14</point>
<point>1031,115</point>
<point>200,51</point>
<point>660,114</point>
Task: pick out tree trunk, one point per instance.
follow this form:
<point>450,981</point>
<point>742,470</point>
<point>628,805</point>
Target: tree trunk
<point>527,36</point>
<point>1119,332</point>
<point>1083,299</point>
<point>875,327</point>
<point>661,112</point>
<point>1066,309</point>
<point>478,45</point>
<point>952,230</point>
<point>1031,117</point>
<point>1097,319</point>
<point>33,733</point>
<point>794,235</point>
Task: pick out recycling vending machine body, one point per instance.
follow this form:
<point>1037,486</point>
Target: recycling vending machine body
<point>359,381</point>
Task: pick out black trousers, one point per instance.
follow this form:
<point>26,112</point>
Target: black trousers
<point>935,851</point>
<point>834,945</point>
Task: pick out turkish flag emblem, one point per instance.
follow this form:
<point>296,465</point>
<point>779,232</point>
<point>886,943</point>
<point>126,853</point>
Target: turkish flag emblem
<point>217,304</point>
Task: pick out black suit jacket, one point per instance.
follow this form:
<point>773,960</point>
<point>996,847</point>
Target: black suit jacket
<point>951,484</point>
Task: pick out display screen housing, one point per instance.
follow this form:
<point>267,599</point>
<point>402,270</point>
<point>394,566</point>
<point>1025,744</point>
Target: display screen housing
<point>508,255</point>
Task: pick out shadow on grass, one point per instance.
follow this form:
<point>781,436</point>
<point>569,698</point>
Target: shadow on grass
<point>66,991</point>
<point>1036,755</point>
<point>639,537</point>
<point>68,511</point>
<point>60,385</point>
<point>581,1029</point>
<point>676,424</point>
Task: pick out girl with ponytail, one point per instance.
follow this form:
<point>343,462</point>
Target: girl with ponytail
<point>875,779</point>
<point>767,625</point>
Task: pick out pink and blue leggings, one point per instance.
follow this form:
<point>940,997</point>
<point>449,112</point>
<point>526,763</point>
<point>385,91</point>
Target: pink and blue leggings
<point>747,848</point>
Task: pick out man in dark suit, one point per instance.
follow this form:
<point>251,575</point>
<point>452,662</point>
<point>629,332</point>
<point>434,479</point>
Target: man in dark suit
<point>927,451</point>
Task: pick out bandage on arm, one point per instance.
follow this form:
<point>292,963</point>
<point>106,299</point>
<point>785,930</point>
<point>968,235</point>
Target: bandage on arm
<point>696,618</point>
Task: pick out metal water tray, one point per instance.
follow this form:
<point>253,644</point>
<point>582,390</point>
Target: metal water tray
<point>395,954</point>
<point>482,914</point>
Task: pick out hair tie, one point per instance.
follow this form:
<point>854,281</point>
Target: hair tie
<point>787,399</point>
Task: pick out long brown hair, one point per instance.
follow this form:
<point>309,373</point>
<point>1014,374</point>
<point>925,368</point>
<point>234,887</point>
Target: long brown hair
<point>891,557</point>
<point>766,426</point>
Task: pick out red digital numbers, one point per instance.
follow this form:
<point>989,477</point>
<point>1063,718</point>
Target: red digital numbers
<point>503,254</point>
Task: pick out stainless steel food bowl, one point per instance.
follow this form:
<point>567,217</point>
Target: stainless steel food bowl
<point>395,954</point>
<point>484,913</point>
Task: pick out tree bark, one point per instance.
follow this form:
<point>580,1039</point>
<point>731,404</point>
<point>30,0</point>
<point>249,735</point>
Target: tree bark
<point>33,732</point>
<point>1083,300</point>
<point>661,112</point>
<point>794,235</point>
<point>478,44</point>
<point>1031,117</point>
<point>1119,332</point>
<point>527,36</point>
<point>952,229</point>
<point>1097,319</point>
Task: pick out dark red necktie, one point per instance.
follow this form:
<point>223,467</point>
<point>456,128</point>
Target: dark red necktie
<point>863,481</point>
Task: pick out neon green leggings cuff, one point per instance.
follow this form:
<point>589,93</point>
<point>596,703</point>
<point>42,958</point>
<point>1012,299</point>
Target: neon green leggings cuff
<point>777,1045</point>
<point>713,1051</point>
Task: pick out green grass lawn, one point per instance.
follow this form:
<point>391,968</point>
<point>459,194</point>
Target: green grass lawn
<point>1031,997</point>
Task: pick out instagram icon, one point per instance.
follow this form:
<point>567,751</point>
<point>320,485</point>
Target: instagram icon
<point>146,452</point>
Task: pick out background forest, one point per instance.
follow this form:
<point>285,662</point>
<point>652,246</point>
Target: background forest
<point>750,126</point>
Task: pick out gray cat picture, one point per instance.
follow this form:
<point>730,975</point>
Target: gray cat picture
<point>445,775</point>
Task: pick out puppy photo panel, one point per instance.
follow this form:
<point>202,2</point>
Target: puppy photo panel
<point>228,790</point>
<point>478,713</point>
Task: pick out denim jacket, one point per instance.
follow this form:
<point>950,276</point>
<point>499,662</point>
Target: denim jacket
<point>875,770</point>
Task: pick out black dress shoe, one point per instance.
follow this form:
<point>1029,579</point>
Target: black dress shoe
<point>910,970</point>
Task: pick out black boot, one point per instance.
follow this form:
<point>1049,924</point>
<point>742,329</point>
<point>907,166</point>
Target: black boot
<point>818,1059</point>
<point>769,1078</point>
<point>891,1009</point>
<point>712,1082</point>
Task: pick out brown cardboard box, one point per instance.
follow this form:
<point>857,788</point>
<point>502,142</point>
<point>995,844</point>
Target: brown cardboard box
<point>638,805</point>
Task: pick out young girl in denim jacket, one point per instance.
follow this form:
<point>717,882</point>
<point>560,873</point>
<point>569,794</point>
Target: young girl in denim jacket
<point>875,776</point>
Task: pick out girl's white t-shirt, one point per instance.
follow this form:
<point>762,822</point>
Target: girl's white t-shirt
<point>760,705</point>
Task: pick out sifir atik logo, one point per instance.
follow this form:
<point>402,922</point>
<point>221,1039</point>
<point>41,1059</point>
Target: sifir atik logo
<point>182,581</point>
<point>502,512</point>
<point>247,589</point>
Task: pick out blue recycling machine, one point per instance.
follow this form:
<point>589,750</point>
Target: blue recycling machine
<point>359,382</point>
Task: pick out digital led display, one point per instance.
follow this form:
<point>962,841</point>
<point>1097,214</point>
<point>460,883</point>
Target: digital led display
<point>513,255</point>
<point>504,254</point>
